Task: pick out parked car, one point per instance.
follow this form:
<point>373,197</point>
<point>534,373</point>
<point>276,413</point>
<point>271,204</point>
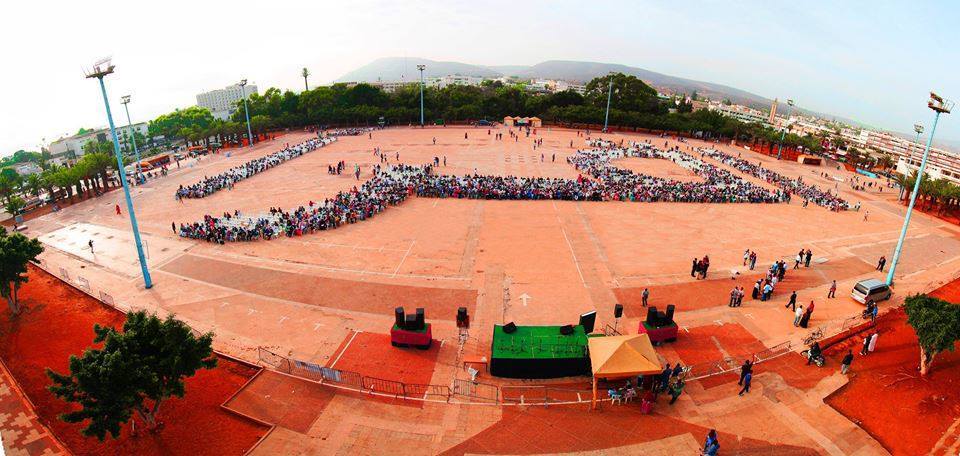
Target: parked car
<point>873,289</point>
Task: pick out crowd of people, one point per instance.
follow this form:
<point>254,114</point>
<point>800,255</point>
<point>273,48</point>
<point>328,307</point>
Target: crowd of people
<point>601,180</point>
<point>717,185</point>
<point>795,186</point>
<point>388,187</point>
<point>212,184</point>
<point>348,131</point>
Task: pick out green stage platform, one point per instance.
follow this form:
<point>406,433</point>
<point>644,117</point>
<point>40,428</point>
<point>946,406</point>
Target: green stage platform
<point>539,352</point>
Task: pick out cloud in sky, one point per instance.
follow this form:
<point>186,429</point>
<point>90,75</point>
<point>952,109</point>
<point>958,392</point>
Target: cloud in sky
<point>871,61</point>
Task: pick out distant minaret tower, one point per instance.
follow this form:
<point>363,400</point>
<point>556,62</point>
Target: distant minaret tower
<point>773,112</point>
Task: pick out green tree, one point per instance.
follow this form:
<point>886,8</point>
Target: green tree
<point>629,94</point>
<point>135,371</point>
<point>15,251</point>
<point>937,324</point>
<point>15,205</point>
<point>34,184</point>
<point>9,181</point>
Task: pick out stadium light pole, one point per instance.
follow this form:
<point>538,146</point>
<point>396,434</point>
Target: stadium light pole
<point>606,117</point>
<point>783,134</point>
<point>100,69</point>
<point>421,68</point>
<point>939,106</point>
<point>243,92</point>
<point>136,152</point>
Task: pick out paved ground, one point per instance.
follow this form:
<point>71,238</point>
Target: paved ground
<point>304,296</point>
<point>21,431</point>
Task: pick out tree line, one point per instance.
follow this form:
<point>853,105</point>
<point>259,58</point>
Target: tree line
<point>634,104</point>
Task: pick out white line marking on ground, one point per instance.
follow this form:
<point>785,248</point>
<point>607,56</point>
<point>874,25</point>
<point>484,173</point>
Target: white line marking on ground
<point>395,271</point>
<point>718,322</point>
<point>317,326</point>
<point>283,318</point>
<point>344,348</point>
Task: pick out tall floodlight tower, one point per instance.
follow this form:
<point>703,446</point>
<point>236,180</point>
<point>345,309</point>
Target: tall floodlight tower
<point>99,70</point>
<point>133,138</point>
<point>243,92</point>
<point>606,117</point>
<point>939,106</point>
<point>786,127</point>
<point>421,68</point>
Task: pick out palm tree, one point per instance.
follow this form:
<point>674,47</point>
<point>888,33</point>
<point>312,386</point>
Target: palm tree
<point>305,72</point>
<point>35,183</point>
<point>904,182</point>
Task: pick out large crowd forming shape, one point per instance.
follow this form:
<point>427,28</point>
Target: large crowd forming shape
<point>348,131</point>
<point>601,181</point>
<point>212,184</point>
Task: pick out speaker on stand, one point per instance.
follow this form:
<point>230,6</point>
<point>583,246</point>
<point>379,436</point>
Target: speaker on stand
<point>617,313</point>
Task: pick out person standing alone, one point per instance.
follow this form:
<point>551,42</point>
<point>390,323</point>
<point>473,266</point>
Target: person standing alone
<point>847,360</point>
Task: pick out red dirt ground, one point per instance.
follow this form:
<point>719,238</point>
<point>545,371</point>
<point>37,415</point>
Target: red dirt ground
<point>893,412</point>
<point>57,321</point>
<point>536,430</point>
<point>282,400</point>
<point>371,355</point>
<point>379,298</point>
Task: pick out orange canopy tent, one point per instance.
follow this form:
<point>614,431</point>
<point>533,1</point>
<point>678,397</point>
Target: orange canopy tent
<point>621,357</point>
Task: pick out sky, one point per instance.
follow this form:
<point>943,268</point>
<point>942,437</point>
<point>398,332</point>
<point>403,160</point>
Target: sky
<point>871,61</point>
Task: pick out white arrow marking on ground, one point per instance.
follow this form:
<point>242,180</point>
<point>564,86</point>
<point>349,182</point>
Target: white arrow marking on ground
<point>223,304</point>
<point>317,326</point>
<point>251,311</point>
<point>685,328</point>
<point>524,298</point>
<point>749,316</point>
<point>718,322</point>
<point>283,318</point>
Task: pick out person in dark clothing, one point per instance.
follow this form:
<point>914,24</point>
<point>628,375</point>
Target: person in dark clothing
<point>845,363</point>
<point>745,369</point>
<point>808,257</point>
<point>747,379</point>
<point>665,377</point>
<point>881,263</point>
<point>694,267</point>
<point>793,302</point>
<point>677,370</point>
<point>676,390</point>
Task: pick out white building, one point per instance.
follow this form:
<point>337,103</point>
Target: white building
<point>223,102</point>
<point>741,113</point>
<point>393,86</point>
<point>66,151</point>
<point>562,86</point>
<point>454,79</point>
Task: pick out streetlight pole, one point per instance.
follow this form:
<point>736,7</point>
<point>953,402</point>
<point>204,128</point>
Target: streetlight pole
<point>243,91</point>
<point>783,134</point>
<point>126,101</point>
<point>606,117</point>
<point>99,70</point>
<point>421,68</point>
<point>939,106</point>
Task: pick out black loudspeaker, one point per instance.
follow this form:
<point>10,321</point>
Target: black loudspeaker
<point>588,320</point>
<point>411,323</point>
<point>669,314</point>
<point>420,318</point>
<point>618,311</point>
<point>398,313</point>
<point>463,320</point>
<point>566,330</point>
<point>652,316</point>
<point>510,328</point>
<point>661,320</point>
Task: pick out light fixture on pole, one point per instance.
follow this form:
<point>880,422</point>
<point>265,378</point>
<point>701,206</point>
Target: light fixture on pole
<point>99,70</point>
<point>421,68</point>
<point>606,117</point>
<point>786,127</point>
<point>305,73</point>
<point>243,92</point>
<point>939,106</point>
<point>133,138</point>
